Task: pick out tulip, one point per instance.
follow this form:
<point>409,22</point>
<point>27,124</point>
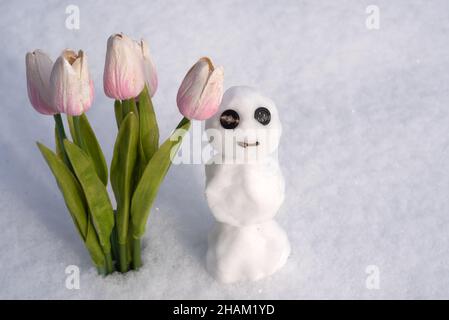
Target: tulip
<point>201,91</point>
<point>149,68</point>
<point>38,70</point>
<point>123,77</point>
<point>71,83</point>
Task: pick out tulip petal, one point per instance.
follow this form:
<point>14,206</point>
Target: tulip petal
<point>201,91</point>
<point>71,83</point>
<point>149,68</point>
<point>38,70</point>
<point>211,96</point>
<point>123,76</point>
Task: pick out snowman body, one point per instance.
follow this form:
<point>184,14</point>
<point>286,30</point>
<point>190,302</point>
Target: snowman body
<point>245,188</point>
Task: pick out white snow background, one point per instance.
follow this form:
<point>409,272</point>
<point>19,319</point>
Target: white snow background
<point>365,149</point>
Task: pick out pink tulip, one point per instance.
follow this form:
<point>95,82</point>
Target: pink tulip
<point>38,70</point>
<point>123,77</point>
<point>149,68</point>
<point>200,93</point>
<point>71,83</point>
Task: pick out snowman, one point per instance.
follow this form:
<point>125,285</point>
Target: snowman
<point>245,188</point>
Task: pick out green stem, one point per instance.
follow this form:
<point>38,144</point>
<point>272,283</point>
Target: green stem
<point>125,108</point>
<point>137,260</point>
<point>61,136</point>
<point>122,252</point>
<point>114,244</point>
<point>183,121</point>
<point>118,112</point>
<point>109,267</point>
<point>79,136</point>
<point>128,106</point>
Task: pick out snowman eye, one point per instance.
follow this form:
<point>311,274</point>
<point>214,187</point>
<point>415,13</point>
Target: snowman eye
<point>229,119</point>
<point>262,115</point>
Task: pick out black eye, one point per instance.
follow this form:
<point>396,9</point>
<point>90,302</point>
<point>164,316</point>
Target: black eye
<point>262,115</point>
<point>229,119</point>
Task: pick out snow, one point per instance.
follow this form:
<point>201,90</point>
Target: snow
<point>364,150</point>
<point>245,189</point>
<point>249,253</point>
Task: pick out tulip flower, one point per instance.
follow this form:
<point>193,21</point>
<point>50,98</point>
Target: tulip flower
<point>71,83</point>
<point>201,91</point>
<point>38,70</point>
<point>149,68</point>
<point>123,77</point>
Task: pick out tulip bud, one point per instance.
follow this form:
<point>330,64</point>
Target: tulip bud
<point>38,70</point>
<point>149,68</point>
<point>123,76</point>
<point>201,91</point>
<point>73,90</point>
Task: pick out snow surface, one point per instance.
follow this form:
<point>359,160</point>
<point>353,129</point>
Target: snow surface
<point>365,147</point>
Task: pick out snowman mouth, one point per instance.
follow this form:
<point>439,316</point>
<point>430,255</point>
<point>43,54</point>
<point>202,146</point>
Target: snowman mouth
<point>247,144</point>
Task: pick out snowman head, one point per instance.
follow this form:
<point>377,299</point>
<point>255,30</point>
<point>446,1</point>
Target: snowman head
<point>246,126</point>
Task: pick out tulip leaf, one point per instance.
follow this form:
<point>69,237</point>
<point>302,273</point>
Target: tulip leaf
<point>149,131</point>
<point>76,203</point>
<point>90,145</point>
<point>152,177</point>
<point>122,169</point>
<point>118,112</point>
<point>93,246</point>
<point>95,192</point>
<point>70,189</point>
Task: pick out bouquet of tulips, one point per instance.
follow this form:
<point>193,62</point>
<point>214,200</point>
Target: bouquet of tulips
<point>139,163</point>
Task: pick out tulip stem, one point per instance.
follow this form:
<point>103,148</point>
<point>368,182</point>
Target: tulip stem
<point>109,264</point>
<point>118,112</point>
<point>61,136</point>
<point>123,256</point>
<point>114,245</point>
<point>137,259</point>
<point>79,136</point>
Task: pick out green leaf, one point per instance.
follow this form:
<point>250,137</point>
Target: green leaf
<point>122,168</point>
<point>118,112</point>
<point>95,192</point>
<point>148,128</point>
<point>70,189</point>
<point>152,177</point>
<point>93,246</point>
<point>90,145</point>
<point>76,203</point>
